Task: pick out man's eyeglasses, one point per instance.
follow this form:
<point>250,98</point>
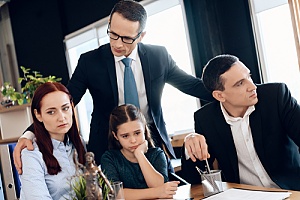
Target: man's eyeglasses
<point>124,39</point>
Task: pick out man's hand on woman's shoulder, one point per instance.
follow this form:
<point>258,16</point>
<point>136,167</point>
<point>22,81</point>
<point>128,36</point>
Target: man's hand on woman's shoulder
<point>22,143</point>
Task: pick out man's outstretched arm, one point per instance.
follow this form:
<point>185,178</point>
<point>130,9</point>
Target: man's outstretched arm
<point>25,141</point>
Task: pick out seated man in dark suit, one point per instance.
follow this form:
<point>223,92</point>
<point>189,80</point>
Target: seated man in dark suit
<point>253,131</point>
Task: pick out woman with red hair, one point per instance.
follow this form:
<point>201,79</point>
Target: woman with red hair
<point>48,169</point>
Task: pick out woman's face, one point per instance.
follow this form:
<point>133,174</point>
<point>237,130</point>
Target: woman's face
<point>131,135</point>
<point>56,114</point>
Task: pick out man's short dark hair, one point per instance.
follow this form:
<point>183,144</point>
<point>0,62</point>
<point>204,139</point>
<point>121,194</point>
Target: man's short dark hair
<point>214,69</point>
<point>131,11</point>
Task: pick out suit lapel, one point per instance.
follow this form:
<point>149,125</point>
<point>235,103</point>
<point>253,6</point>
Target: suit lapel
<point>225,135</point>
<point>146,71</point>
<point>111,69</point>
<point>256,131</point>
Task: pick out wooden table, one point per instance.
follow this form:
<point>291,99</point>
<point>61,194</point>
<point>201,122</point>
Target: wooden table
<point>196,192</point>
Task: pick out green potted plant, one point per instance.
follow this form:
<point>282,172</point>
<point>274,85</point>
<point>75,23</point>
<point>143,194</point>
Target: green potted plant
<point>10,95</point>
<point>79,187</point>
<point>32,81</point>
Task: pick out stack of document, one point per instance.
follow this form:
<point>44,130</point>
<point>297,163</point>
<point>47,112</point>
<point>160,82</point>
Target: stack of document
<point>245,194</point>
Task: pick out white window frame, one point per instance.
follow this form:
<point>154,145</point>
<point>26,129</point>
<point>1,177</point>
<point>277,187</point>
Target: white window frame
<point>256,7</point>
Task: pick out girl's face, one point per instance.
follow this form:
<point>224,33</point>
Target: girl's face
<point>130,135</point>
<point>56,114</point>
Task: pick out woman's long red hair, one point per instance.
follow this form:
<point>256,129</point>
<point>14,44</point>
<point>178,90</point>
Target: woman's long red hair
<point>43,138</point>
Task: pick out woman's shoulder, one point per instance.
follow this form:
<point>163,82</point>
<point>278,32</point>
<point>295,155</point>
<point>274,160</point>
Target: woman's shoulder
<point>32,158</point>
<point>35,151</point>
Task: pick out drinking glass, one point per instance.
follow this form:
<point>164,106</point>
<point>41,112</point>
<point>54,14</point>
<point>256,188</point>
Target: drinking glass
<point>118,191</point>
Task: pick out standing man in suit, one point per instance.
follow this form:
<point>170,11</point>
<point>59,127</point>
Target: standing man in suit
<point>253,131</point>
<point>101,71</point>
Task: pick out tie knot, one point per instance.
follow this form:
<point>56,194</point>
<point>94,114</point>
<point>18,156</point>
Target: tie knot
<point>126,62</point>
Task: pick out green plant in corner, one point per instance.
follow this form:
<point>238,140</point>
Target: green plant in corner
<point>32,81</point>
<point>10,94</point>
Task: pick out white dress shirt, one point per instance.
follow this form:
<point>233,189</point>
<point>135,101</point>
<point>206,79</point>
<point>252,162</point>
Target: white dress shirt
<point>251,170</point>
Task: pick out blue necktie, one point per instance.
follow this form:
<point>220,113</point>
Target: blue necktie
<point>130,90</point>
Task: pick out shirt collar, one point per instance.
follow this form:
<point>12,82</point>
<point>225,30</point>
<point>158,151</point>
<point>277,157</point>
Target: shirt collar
<point>132,55</point>
<point>57,143</point>
<point>230,120</point>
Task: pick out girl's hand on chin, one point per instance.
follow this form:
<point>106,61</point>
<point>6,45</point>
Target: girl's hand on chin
<point>143,148</point>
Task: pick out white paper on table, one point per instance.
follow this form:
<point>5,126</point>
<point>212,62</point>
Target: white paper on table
<point>245,194</point>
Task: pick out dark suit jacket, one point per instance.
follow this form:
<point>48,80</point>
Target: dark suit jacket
<point>96,72</point>
<point>275,126</point>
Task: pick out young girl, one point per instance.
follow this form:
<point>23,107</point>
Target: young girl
<point>48,168</point>
<point>133,159</point>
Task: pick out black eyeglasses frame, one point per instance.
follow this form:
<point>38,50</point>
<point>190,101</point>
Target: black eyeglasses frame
<point>122,37</point>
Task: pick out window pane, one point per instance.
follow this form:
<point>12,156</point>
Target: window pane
<point>278,48</point>
<point>85,106</point>
<point>167,29</point>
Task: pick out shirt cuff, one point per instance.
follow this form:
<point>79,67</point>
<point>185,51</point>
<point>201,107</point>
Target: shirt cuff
<point>186,154</point>
<point>28,135</point>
